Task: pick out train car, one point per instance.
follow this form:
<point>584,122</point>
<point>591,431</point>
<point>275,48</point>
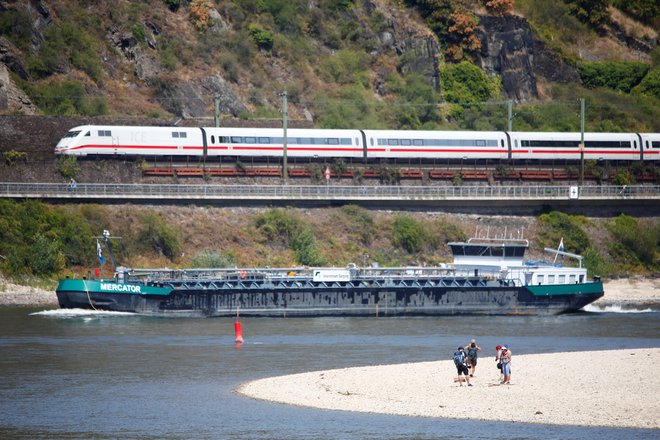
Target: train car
<point>410,144</point>
<point>269,142</point>
<point>88,140</point>
<point>650,146</point>
<point>566,146</point>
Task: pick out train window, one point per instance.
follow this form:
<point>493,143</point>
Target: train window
<point>183,134</point>
<point>418,142</point>
<point>332,141</point>
<point>175,134</point>
<point>502,142</point>
<point>212,139</point>
<point>89,133</point>
<point>345,141</point>
<point>392,142</point>
<point>371,141</point>
<point>607,144</point>
<point>72,134</point>
<point>264,140</point>
<point>481,143</point>
<point>405,142</point>
<point>655,144</point>
<point>382,142</point>
<point>237,139</point>
<point>250,140</point>
<point>105,133</point>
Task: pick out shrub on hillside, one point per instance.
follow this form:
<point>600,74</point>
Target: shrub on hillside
<point>67,166</point>
<point>466,83</point>
<point>634,242</point>
<point>555,226</point>
<point>37,239</point>
<point>12,157</point>
<point>278,225</point>
<point>156,234</point>
<point>262,37</point>
<point>617,75</point>
<point>650,85</point>
<point>306,250</point>
<point>408,234</point>
<point>363,222</point>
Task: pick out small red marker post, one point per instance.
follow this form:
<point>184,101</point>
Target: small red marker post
<point>238,331</point>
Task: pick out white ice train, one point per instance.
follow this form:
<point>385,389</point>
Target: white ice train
<point>405,145</point>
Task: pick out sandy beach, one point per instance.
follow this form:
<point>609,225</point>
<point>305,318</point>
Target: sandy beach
<point>618,388</point>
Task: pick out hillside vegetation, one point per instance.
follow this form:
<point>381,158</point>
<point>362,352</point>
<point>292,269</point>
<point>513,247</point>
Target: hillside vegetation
<point>45,241</point>
<point>352,63</point>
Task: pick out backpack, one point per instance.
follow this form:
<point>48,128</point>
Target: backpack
<point>458,357</point>
<point>472,353</point>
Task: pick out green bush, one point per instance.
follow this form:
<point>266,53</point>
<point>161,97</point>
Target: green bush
<point>66,42</point>
<point>617,75</point>
<point>67,98</point>
<point>634,242</point>
<point>156,234</point>
<point>346,67</point>
<point>408,234</point>
<point>17,25</point>
<point>278,225</point>
<point>306,250</point>
<point>647,11</point>
<point>262,37</point>
<point>67,166</point>
<point>557,225</point>
<point>40,240</point>
<point>650,85</point>
<point>466,83</point>
<point>594,263</point>
<point>12,157</point>
<point>363,222</point>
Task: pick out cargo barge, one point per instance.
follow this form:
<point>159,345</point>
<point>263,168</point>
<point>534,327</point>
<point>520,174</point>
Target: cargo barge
<point>487,277</point>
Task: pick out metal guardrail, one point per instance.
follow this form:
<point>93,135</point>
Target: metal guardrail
<point>178,192</point>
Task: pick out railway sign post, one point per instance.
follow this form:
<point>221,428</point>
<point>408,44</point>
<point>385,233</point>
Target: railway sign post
<point>285,173</point>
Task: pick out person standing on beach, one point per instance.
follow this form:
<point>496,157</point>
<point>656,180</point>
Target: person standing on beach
<point>505,358</point>
<point>459,360</point>
<point>472,348</point>
<point>498,355</point>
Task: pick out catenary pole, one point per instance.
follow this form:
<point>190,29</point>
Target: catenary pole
<point>285,173</point>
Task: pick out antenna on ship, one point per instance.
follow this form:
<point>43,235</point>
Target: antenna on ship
<point>106,239</point>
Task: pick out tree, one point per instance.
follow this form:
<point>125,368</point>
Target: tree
<point>499,7</point>
<point>592,12</point>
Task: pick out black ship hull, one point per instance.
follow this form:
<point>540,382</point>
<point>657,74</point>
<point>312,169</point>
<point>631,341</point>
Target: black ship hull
<point>333,301</point>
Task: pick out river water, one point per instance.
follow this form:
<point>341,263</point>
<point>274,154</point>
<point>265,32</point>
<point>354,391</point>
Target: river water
<point>83,375</point>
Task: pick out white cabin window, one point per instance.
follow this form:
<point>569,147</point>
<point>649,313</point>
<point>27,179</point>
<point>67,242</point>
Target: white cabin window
<point>562,279</point>
<point>551,279</point>
<point>571,279</point>
<point>540,279</point>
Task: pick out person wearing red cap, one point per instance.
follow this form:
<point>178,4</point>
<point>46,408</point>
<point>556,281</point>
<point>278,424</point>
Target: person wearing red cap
<point>498,355</point>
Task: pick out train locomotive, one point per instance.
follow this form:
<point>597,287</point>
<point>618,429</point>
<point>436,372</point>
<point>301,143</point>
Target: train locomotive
<point>354,145</point>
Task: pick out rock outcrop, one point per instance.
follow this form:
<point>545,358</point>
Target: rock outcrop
<point>507,48</point>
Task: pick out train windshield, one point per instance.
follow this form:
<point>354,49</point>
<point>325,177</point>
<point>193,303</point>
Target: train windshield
<point>72,134</point>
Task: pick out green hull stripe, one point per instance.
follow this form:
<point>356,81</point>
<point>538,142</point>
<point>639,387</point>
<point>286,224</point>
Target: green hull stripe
<point>567,289</point>
<point>110,287</point>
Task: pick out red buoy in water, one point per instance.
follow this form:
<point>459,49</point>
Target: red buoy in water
<point>239,332</point>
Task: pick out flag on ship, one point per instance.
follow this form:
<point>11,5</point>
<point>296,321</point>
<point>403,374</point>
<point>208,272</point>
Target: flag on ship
<point>561,245</point>
<point>99,251</point>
